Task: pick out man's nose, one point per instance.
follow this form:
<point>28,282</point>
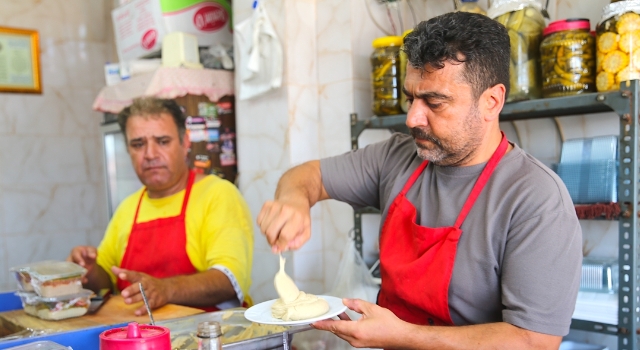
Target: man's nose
<point>417,115</point>
<point>151,151</point>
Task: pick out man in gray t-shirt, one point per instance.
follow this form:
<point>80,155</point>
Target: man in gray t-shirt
<point>475,232</point>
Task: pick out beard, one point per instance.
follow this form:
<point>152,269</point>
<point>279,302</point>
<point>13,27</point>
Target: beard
<point>451,151</point>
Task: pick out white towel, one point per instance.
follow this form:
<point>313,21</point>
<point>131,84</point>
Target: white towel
<point>260,54</point>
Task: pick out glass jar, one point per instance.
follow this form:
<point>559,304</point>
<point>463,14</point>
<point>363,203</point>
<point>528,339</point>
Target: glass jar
<point>209,336</point>
<point>471,6</point>
<point>524,23</point>
<point>568,58</point>
<point>385,75</point>
<point>403,73</point>
<point>618,45</point>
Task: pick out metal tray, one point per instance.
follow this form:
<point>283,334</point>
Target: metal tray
<point>233,324</point>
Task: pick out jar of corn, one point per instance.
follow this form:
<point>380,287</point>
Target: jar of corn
<point>618,45</point>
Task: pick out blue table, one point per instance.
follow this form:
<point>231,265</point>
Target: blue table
<point>82,339</point>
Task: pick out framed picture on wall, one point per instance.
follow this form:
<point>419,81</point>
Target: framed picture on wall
<point>19,61</point>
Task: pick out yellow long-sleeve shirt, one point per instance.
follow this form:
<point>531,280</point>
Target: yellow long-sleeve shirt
<point>219,230</point>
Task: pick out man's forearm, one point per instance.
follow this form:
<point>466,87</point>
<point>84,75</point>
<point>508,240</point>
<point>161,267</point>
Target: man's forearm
<point>499,335</point>
<point>98,279</point>
<point>302,181</point>
<point>206,288</point>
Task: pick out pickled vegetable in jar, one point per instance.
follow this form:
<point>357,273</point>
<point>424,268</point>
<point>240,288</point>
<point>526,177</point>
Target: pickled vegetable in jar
<point>385,75</point>
<point>471,6</point>
<point>618,45</point>
<point>524,23</point>
<point>568,58</point>
<point>403,73</point>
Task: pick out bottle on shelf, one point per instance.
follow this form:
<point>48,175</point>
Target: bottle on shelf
<point>471,6</point>
<point>385,75</point>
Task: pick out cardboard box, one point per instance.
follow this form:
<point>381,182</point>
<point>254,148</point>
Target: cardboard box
<point>139,29</point>
<point>208,20</point>
<point>140,25</point>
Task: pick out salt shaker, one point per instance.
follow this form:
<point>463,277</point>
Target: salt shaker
<point>209,336</point>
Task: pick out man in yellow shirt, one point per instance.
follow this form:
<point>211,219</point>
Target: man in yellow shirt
<point>188,238</point>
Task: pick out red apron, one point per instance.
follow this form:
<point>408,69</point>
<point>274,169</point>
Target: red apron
<point>159,247</point>
<point>416,262</point>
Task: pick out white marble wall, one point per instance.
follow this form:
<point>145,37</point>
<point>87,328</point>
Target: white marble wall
<point>52,193</point>
<point>327,45</point>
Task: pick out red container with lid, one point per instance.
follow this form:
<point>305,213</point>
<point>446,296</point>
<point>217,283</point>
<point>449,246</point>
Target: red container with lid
<point>136,337</point>
<point>568,58</point>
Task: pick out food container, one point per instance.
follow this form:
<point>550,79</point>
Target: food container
<point>618,45</point>
<point>599,275</point>
<point>471,6</point>
<point>136,337</point>
<point>21,273</point>
<point>568,58</point>
<point>40,345</point>
<point>385,75</point>
<point>237,332</point>
<point>403,74</point>
<point>56,308</point>
<point>524,23</point>
<point>57,278</point>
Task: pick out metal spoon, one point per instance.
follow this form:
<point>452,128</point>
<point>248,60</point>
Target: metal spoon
<point>146,304</point>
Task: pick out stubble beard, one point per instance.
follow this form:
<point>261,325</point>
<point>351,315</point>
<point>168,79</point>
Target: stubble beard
<point>453,151</point>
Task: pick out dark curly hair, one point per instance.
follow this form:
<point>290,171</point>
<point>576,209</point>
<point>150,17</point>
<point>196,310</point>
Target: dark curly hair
<point>476,40</point>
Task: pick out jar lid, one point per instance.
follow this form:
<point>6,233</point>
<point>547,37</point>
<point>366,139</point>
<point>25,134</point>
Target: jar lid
<point>387,41</point>
<point>500,7</point>
<point>618,8</point>
<point>135,332</point>
<point>567,24</point>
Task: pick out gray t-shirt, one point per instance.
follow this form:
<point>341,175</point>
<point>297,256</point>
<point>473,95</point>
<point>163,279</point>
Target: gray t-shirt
<point>520,254</point>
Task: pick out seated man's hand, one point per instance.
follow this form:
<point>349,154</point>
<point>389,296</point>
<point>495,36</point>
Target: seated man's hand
<point>84,256</point>
<point>156,290</point>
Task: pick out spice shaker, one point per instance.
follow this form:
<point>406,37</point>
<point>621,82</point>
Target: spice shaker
<point>209,336</point>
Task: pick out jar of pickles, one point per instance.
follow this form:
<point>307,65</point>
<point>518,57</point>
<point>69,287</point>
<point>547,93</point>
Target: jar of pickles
<point>525,23</point>
<point>403,73</point>
<point>568,58</point>
<point>385,75</point>
<point>618,45</point>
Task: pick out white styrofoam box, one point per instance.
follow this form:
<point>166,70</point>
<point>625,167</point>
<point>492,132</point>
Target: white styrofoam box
<point>208,20</point>
<point>139,29</point>
<point>180,49</point>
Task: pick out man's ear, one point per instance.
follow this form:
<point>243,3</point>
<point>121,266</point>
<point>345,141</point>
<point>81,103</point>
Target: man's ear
<point>491,102</point>
<point>186,144</point>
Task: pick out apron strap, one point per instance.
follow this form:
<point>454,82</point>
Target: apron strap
<point>482,180</point>
<point>185,201</point>
<point>414,177</point>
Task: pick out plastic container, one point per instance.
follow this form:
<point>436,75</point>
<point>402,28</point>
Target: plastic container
<point>590,182</point>
<point>599,275</point>
<point>21,274</point>
<point>40,345</point>
<point>618,45</point>
<point>572,345</point>
<point>403,74</point>
<point>589,149</point>
<point>56,308</point>
<point>568,58</point>
<point>136,337</point>
<point>525,23</point>
<point>385,75</point>
<point>55,279</point>
<point>471,6</point>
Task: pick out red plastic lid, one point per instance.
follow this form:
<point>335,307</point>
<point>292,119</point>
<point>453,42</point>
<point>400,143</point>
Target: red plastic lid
<point>567,24</point>
<point>135,336</point>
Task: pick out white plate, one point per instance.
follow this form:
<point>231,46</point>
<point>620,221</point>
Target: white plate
<point>261,313</point>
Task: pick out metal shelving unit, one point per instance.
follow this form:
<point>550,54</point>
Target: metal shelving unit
<point>625,103</point>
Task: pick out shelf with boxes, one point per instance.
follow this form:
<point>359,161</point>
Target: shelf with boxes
<point>625,103</point>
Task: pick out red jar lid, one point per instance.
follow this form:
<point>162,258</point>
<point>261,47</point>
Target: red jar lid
<point>136,337</point>
<point>567,24</point>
